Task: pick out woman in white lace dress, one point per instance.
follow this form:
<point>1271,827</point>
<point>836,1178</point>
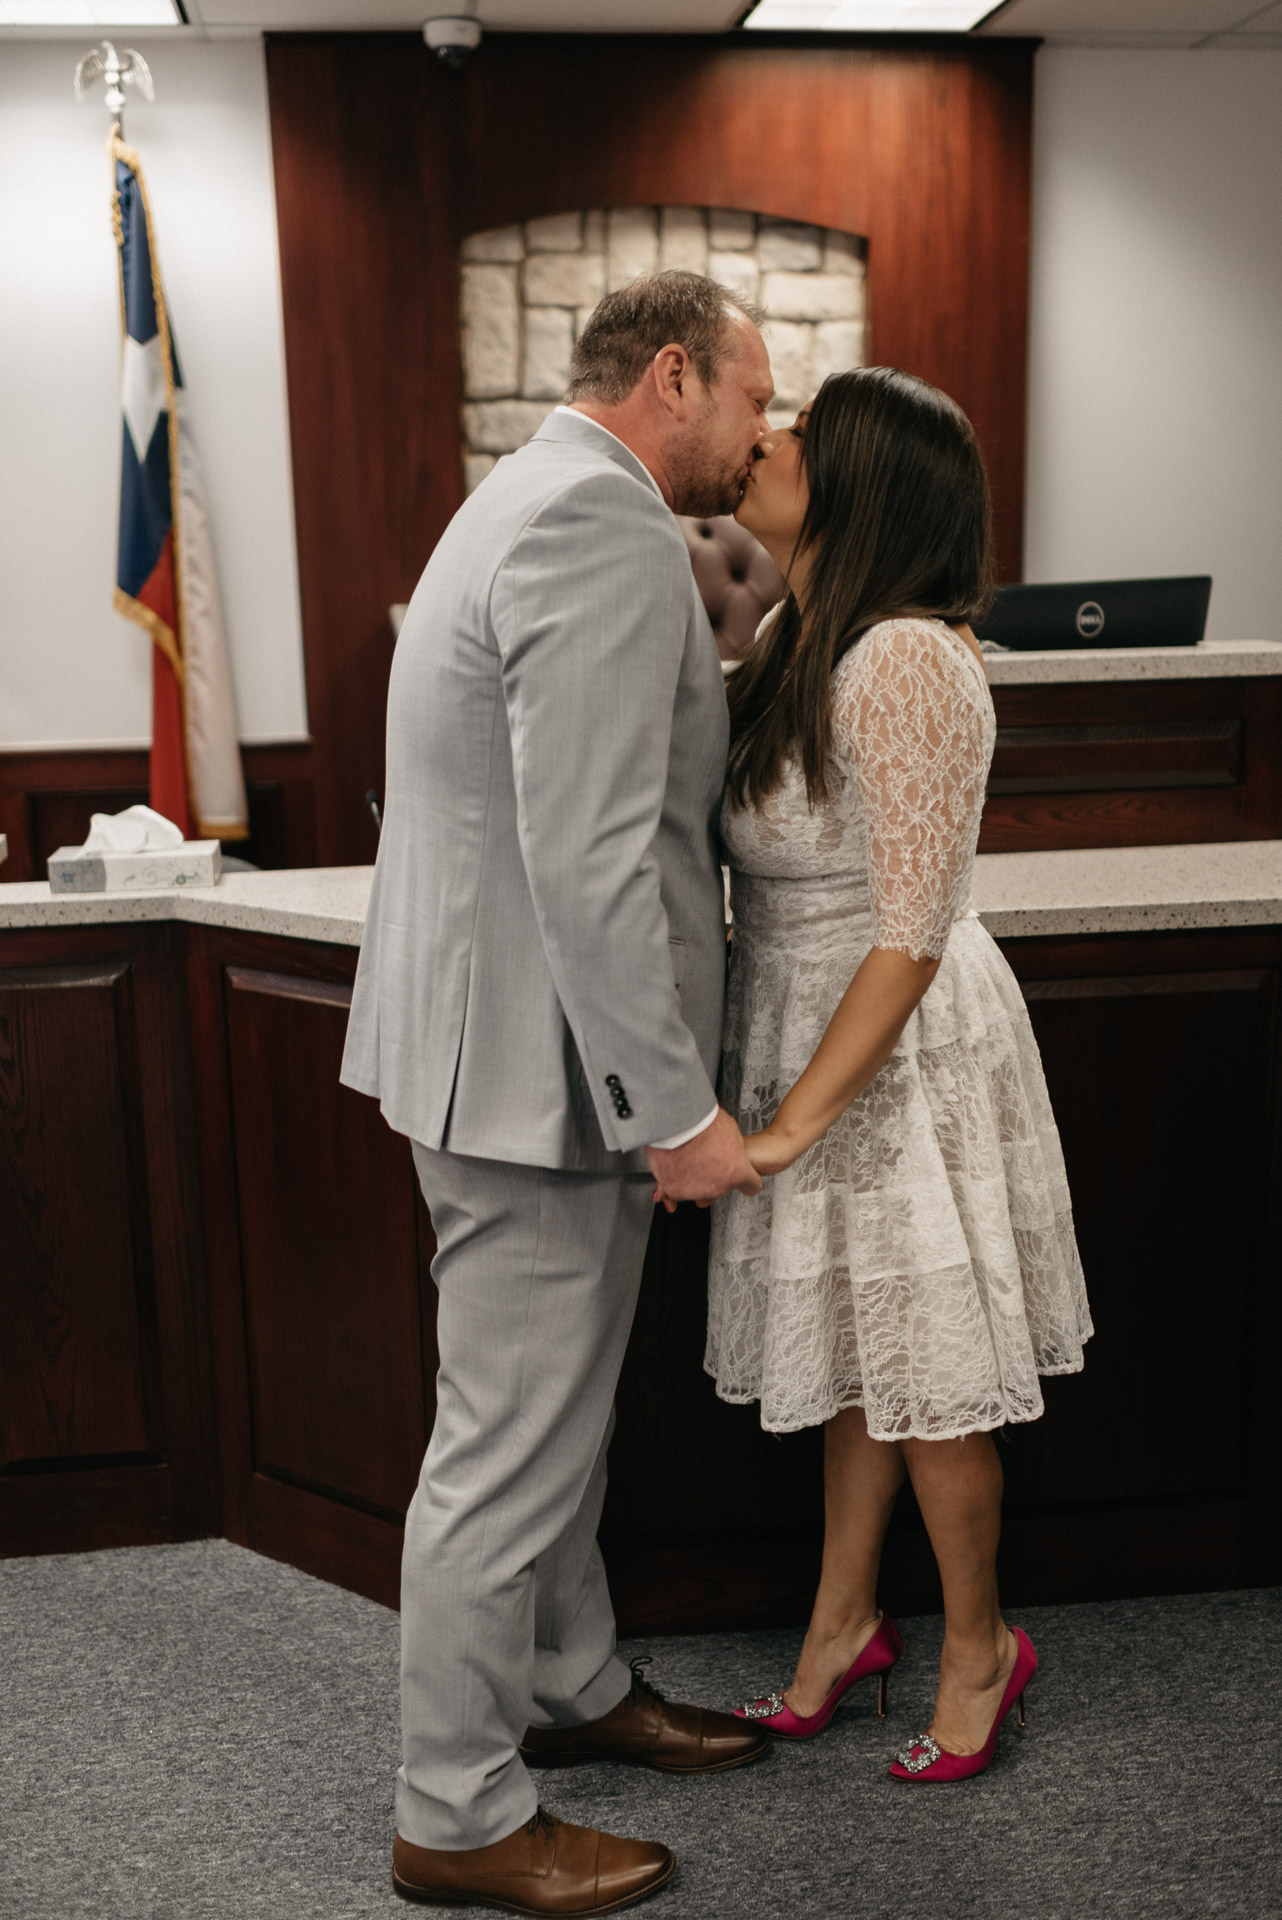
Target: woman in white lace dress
<point>909,1268</point>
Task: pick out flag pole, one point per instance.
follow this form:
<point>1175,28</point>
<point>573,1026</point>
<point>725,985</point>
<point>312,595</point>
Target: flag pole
<point>165,575</point>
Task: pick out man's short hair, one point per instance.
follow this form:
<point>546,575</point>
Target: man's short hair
<point>630,326</point>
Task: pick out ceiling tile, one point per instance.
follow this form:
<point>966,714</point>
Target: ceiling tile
<point>546,16</point>
<point>1169,22</point>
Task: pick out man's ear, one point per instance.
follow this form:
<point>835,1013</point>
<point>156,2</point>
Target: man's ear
<point>673,374</point>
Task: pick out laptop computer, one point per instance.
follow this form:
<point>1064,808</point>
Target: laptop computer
<point>1100,613</point>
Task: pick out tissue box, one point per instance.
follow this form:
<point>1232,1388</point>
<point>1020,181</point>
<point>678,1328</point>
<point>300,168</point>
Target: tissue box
<point>196,863</point>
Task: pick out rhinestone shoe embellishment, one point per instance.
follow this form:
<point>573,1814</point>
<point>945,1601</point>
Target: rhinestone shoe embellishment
<point>763,1709</point>
<point>920,1754</point>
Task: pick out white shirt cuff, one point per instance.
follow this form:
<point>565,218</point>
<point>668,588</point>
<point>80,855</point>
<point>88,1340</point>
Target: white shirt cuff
<point>691,1133</point>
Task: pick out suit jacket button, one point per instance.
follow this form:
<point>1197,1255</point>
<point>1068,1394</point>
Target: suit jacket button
<point>612,1080</point>
<point>625,1111</point>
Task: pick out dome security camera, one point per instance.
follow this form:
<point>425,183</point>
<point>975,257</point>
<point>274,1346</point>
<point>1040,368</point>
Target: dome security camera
<point>453,37</point>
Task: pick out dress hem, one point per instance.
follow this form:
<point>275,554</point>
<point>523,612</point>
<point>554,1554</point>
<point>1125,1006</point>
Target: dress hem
<point>844,1404</point>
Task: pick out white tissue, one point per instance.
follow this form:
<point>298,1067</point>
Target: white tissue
<point>134,831</point>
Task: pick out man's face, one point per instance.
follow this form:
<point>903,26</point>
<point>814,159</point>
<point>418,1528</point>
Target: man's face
<point>713,457</point>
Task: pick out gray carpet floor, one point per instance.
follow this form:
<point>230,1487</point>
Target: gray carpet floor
<point>197,1733</point>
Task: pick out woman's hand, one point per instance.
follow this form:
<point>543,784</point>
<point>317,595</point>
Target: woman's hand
<point>770,1152</point>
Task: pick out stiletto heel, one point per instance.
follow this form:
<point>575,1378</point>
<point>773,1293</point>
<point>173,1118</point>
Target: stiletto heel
<point>925,1763</point>
<point>772,1713</point>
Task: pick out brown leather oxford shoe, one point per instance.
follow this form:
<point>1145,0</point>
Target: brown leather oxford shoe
<point>645,1730</point>
<point>545,1867</point>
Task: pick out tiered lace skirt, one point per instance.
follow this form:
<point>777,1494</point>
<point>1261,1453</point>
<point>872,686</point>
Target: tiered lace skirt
<point>919,1261</point>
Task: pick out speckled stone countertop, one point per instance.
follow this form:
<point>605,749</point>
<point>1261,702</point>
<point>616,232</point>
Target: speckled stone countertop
<point>309,903</point>
<point>1236,883</point>
<point>1018,895</point>
<point>1211,660</point>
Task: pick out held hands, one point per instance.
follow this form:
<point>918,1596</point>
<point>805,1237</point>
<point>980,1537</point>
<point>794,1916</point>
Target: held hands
<point>705,1167</point>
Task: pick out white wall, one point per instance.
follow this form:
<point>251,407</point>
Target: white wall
<point>73,672</point>
<point>1155,415</point>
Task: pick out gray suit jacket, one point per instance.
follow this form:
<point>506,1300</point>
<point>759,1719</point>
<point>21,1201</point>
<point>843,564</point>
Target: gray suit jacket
<point>543,964</point>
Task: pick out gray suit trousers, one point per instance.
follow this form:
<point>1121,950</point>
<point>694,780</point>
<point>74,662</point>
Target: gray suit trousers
<point>505,1616</point>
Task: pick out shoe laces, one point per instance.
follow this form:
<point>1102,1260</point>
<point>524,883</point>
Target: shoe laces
<point>640,1685</point>
<point>540,1821</point>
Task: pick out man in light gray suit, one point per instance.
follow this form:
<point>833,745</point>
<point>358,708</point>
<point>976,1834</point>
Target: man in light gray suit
<point>538,1006</point>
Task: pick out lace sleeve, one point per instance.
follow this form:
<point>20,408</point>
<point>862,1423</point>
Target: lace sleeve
<point>911,715</point>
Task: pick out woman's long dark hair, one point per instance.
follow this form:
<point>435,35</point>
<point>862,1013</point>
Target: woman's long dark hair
<point>899,522</point>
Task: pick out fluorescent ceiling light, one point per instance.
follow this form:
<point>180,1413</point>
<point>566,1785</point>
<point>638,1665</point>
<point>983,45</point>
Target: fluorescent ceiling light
<point>871,16</point>
<point>90,13</point>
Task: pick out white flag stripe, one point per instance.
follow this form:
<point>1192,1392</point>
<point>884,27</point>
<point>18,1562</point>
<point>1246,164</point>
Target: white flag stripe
<point>214,773</point>
<point>142,390</point>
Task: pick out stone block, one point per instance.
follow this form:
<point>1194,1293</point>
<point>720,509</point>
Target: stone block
<point>811,296</point>
<point>836,345</point>
<point>594,231</point>
<point>491,330</point>
<point>729,230</point>
<point>501,426</point>
<point>738,271</point>
<point>788,345</point>
<point>843,253</point>
<point>631,244</point>
<point>564,279</point>
<point>499,244</point>
<point>475,468</point>
<point>545,365</point>
<point>683,240</point>
<point>785,247</point>
<point>555,233</point>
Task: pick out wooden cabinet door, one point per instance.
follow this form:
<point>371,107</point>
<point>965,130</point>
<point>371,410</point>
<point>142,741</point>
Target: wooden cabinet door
<point>323,1308</point>
<point>105,1422</point>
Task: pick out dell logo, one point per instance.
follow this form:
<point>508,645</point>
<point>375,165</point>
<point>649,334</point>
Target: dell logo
<point>1090,619</point>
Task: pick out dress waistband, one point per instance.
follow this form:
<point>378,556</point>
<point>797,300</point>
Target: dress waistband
<point>809,912</point>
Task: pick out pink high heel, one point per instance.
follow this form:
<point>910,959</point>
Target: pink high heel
<point>879,1656</point>
<point>924,1761</point>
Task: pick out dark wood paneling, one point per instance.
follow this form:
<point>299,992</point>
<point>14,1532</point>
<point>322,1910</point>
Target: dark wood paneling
<point>668,1413</point>
<point>383,161</point>
<point>1066,759</point>
<point>318,1250</point>
<point>1158,1469</point>
<point>331,1287</point>
<point>320,1535</point>
<point>361,154</point>
<point>1169,1197</point>
<point>47,799</point>
<point>1139,764</point>
<point>79,1309</point>
<point>81,1510</point>
<point>107,1397</point>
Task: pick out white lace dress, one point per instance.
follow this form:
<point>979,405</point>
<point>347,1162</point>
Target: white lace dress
<point>919,1260</point>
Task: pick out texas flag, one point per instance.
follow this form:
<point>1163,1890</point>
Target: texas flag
<point>164,567</point>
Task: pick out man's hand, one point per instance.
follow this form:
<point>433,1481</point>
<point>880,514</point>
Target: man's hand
<point>705,1168</point>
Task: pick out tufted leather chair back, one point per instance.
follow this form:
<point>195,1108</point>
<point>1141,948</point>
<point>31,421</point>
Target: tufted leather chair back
<point>736,576</point>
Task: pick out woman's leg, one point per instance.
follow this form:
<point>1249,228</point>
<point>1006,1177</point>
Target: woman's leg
<point>958,1484</point>
<point>861,1479</point>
